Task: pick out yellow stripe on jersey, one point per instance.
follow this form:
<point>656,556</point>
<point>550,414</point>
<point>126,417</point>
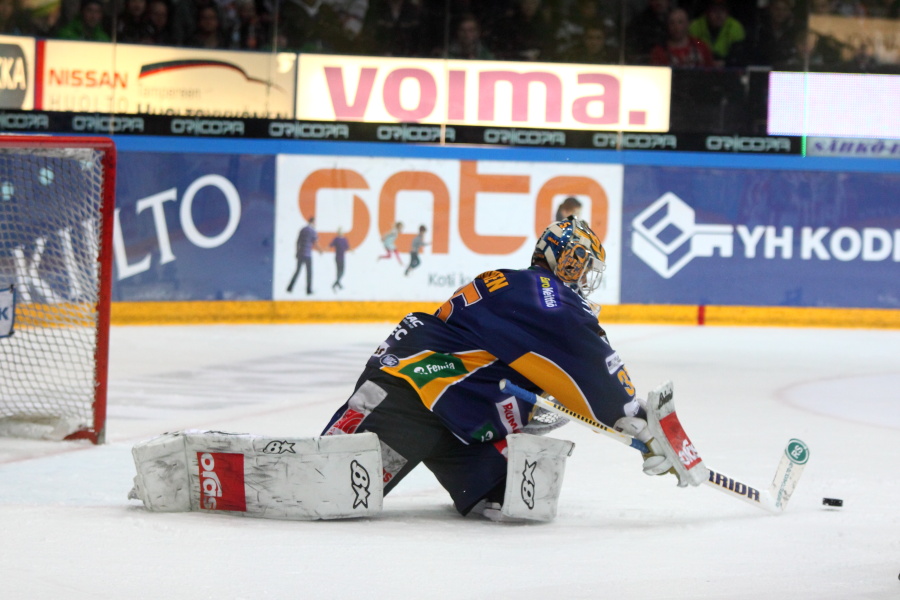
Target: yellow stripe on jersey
<point>431,373</point>
<point>548,376</point>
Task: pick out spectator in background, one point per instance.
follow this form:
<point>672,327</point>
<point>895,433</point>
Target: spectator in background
<point>352,15</point>
<point>13,20</point>
<point>647,30</point>
<point>132,26</point>
<point>848,8</point>
<point>228,18</point>
<point>468,43</point>
<point>182,20</point>
<point>570,207</point>
<point>814,52</point>
<point>775,42</point>
<point>249,32</point>
<point>571,29</point>
<point>680,49</point>
<point>46,18</point>
<point>87,25</point>
<point>526,32</point>
<point>863,59</point>
<point>208,32</point>
<point>592,49</point>
<point>311,26</point>
<point>724,34</point>
<point>265,10</point>
<point>883,9</point>
<point>394,28</point>
<point>820,7</point>
<point>158,23</point>
<point>443,18</point>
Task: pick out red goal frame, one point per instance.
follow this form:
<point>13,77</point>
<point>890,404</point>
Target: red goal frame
<point>96,433</point>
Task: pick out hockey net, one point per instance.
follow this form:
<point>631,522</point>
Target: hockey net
<point>57,199</point>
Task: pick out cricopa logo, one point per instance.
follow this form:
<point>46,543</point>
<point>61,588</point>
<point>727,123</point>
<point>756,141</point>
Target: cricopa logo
<point>13,76</point>
<point>667,236</point>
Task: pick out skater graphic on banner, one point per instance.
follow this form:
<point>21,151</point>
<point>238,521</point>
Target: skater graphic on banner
<point>307,241</point>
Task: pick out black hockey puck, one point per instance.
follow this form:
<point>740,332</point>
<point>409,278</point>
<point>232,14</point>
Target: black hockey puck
<point>832,502</point>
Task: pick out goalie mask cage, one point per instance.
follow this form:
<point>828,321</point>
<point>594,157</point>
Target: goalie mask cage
<point>57,197</point>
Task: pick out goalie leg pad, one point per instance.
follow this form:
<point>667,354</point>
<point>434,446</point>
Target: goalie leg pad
<point>534,476</point>
<point>328,477</point>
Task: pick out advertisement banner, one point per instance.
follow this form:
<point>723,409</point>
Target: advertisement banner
<point>483,93</point>
<point>130,79</point>
<point>16,73</point>
<point>762,238</point>
<point>193,227</point>
<point>853,147</point>
<point>834,105</point>
<point>860,36</point>
<point>476,215</point>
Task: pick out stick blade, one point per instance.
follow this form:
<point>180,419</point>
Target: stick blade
<point>790,468</point>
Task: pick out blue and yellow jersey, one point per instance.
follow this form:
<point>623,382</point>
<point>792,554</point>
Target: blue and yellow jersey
<point>525,326</point>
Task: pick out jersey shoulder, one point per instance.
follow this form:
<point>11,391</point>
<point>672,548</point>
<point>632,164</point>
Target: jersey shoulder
<point>533,291</point>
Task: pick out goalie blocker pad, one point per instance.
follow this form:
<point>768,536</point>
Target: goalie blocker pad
<point>328,477</point>
<point>663,423</point>
<point>534,476</point>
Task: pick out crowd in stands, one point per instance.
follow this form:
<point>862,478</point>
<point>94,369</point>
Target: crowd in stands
<point>684,34</point>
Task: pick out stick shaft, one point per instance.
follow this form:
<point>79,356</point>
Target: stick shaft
<point>597,426</point>
<point>717,480</point>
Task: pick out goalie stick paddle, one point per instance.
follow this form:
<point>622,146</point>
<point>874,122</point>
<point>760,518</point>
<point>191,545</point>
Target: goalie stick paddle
<point>774,499</point>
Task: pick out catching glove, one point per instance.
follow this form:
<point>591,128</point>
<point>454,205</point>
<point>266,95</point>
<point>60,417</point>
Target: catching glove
<point>543,421</point>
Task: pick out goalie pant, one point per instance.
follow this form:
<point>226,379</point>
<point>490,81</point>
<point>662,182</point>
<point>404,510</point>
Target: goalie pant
<point>410,434</point>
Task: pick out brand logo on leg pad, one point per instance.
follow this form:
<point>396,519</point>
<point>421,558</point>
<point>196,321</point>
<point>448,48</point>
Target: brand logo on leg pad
<point>222,481</point>
<point>279,447</point>
<point>528,484</point>
<point>359,481</point>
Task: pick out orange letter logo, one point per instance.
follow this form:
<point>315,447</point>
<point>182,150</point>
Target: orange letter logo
<point>470,183</point>
<point>336,179</point>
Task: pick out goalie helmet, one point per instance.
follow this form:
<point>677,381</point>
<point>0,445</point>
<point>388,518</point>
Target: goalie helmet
<point>574,254</point>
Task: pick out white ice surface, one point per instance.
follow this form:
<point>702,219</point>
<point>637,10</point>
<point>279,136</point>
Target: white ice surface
<point>67,530</point>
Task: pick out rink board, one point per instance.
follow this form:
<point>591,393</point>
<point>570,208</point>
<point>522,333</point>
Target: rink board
<point>691,237</point>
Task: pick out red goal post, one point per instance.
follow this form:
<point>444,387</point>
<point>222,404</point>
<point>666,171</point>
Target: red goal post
<point>57,210</point>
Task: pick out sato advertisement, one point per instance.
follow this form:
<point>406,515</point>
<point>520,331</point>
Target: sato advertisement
<point>130,79</point>
<point>16,77</point>
<point>193,227</point>
<point>761,238</point>
<point>484,93</point>
<point>472,216</point>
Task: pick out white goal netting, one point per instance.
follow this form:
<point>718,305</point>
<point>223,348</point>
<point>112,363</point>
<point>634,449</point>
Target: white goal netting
<point>52,381</point>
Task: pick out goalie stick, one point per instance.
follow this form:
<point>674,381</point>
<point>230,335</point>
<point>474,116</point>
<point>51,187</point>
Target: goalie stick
<point>773,500</point>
